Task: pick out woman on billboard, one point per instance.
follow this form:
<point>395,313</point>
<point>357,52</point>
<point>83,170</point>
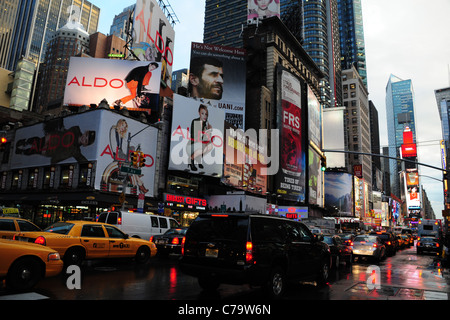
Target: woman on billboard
<point>200,143</point>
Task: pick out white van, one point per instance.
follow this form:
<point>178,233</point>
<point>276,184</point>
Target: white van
<point>138,225</point>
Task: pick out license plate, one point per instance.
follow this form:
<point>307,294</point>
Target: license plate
<point>211,253</point>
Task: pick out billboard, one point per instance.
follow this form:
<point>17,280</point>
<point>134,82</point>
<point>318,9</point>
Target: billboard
<point>153,36</point>
<point>338,192</point>
<point>314,118</point>
<point>258,10</point>
<point>412,190</point>
<point>242,168</point>
<point>197,138</point>
<point>291,178</point>
<point>95,136</point>
<point>218,75</point>
<point>333,136</point>
<point>132,84</point>
<point>315,179</point>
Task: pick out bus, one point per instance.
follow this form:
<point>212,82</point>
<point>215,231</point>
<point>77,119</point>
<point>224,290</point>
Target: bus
<point>429,228</point>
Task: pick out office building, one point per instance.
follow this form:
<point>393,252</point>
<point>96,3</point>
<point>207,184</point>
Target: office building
<point>357,113</point>
<point>120,23</point>
<point>28,26</point>
<point>400,114</point>
<point>353,52</point>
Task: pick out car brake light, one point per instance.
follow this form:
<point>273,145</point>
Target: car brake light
<point>388,243</point>
<point>437,245</point>
<point>175,241</point>
<point>375,245</point>
<point>119,220</point>
<point>219,215</point>
<point>151,239</point>
<point>418,243</point>
<point>40,240</point>
<point>249,252</point>
<point>182,245</point>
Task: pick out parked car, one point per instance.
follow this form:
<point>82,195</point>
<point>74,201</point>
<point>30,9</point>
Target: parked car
<point>388,239</point>
<point>339,250</point>
<point>9,226</point>
<point>138,225</point>
<point>253,249</point>
<point>428,244</point>
<point>79,240</point>
<point>169,242</point>
<point>369,246</point>
<point>24,264</point>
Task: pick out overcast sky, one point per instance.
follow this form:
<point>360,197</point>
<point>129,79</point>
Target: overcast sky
<point>407,38</point>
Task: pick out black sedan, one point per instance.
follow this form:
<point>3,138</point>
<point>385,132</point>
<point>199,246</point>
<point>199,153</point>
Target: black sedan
<point>169,242</point>
<point>428,244</point>
<point>339,251</point>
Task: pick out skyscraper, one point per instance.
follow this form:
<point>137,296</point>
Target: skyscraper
<point>351,32</point>
<point>29,26</point>
<point>399,113</point>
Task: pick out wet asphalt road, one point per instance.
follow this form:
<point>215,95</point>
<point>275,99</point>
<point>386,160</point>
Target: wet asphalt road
<point>405,276</point>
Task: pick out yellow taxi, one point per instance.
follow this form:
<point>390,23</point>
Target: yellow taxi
<point>79,240</point>
<point>9,226</point>
<point>24,264</point>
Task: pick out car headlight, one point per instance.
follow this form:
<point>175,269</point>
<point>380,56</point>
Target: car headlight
<point>54,256</point>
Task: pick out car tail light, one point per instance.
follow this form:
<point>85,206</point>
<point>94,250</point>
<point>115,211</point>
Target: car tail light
<point>437,245</point>
<point>248,252</point>
<point>40,240</point>
<point>182,245</point>
<point>375,245</point>
<point>54,256</point>
<point>388,243</point>
<point>151,239</point>
<point>175,241</point>
<point>418,243</point>
<point>119,220</point>
<point>220,215</point>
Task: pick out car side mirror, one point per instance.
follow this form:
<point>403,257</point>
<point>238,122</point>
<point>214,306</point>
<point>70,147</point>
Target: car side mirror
<point>126,236</point>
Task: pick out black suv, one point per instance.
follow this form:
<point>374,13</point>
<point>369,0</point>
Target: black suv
<point>389,241</point>
<point>259,250</point>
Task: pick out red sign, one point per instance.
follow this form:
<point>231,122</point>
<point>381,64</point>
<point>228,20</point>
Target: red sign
<point>409,150</point>
<point>185,200</point>
<point>357,170</point>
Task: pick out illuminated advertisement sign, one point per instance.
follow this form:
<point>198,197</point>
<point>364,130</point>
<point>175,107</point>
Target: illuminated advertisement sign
<point>315,179</point>
<point>314,118</point>
<point>218,75</point>
<point>173,200</point>
<point>338,192</point>
<point>153,36</point>
<point>197,138</point>
<point>409,150</point>
<point>291,176</point>
<point>131,84</point>
<point>295,213</point>
<point>412,188</point>
<point>258,10</point>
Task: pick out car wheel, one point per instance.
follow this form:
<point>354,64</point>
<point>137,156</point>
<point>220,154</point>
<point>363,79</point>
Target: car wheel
<point>74,256</point>
<point>142,255</point>
<point>208,283</point>
<point>276,284</point>
<point>24,274</point>
<point>324,272</point>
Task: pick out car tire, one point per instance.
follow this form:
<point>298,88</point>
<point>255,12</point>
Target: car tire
<point>324,272</point>
<point>208,283</point>
<point>142,255</point>
<point>74,256</point>
<point>276,283</point>
<point>24,274</point>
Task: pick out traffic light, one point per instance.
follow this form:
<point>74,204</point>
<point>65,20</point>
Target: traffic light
<point>323,163</point>
<point>134,158</point>
<point>141,161</point>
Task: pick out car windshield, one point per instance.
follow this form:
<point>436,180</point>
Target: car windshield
<point>60,227</point>
<point>328,240</point>
<point>181,232</point>
<point>362,239</point>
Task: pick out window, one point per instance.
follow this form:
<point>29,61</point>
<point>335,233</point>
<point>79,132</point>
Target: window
<point>27,226</point>
<point>155,222</point>
<point>115,233</point>
<point>95,231</point>
<point>163,223</point>
<point>7,225</point>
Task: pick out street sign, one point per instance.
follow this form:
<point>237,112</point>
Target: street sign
<point>131,170</point>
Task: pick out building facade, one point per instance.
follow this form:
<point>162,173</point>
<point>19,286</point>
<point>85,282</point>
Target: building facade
<point>399,113</point>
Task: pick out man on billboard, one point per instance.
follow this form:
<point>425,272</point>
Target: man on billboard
<point>206,78</point>
<point>136,79</point>
<point>58,145</point>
